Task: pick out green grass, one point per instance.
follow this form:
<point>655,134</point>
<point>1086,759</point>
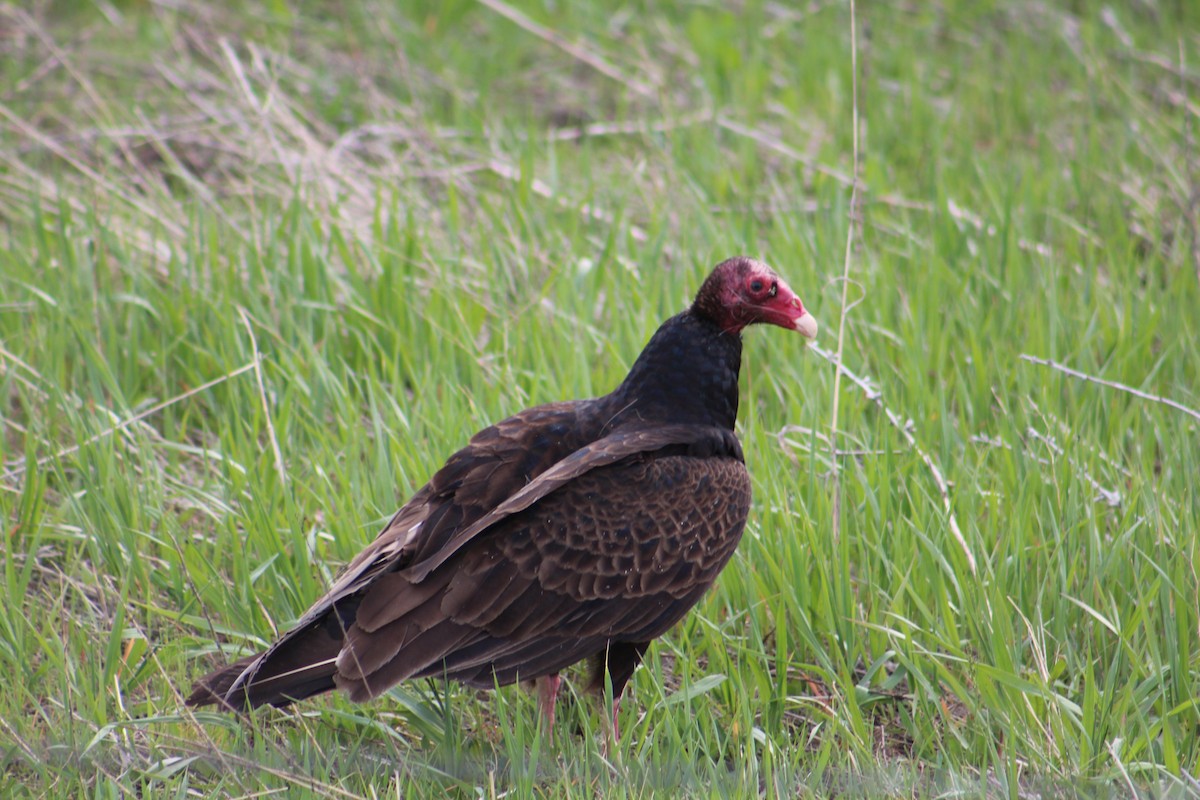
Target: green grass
<point>393,204</point>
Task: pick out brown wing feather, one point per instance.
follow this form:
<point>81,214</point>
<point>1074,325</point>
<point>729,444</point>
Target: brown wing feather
<point>497,462</point>
<point>620,553</point>
<point>609,450</point>
<point>571,518</point>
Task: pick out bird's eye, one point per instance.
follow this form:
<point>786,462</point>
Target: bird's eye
<point>774,289</point>
<point>756,286</point>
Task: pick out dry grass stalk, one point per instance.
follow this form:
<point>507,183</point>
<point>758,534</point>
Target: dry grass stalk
<point>1083,376</point>
<point>875,396</point>
<point>851,227</point>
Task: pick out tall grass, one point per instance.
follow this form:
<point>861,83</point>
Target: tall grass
<point>358,235</point>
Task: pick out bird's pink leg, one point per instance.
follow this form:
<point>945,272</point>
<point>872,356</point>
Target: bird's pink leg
<point>547,690</point>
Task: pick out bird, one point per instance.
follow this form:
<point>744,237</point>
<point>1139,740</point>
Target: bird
<point>571,531</point>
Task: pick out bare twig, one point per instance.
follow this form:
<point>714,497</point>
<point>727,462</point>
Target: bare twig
<point>141,415</point>
<point>262,394</point>
<point>1116,757</point>
<point>20,743</point>
<point>784,441</point>
<point>1166,401</point>
<point>1110,497</point>
<point>876,397</point>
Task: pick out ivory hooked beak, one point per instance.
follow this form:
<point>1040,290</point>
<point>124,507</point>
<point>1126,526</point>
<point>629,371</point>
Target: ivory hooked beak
<point>806,324</point>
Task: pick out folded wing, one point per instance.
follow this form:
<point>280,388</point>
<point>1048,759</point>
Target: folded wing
<point>541,543</point>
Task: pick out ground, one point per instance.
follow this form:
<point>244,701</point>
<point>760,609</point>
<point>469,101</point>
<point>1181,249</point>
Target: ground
<point>263,267</point>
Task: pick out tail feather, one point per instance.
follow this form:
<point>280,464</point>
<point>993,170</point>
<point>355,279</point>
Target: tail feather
<point>300,665</point>
<point>213,687</point>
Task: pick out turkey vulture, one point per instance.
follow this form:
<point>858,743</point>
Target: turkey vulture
<point>574,530</point>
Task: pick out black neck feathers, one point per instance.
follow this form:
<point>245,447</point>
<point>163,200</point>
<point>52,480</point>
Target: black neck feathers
<point>687,373</point>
